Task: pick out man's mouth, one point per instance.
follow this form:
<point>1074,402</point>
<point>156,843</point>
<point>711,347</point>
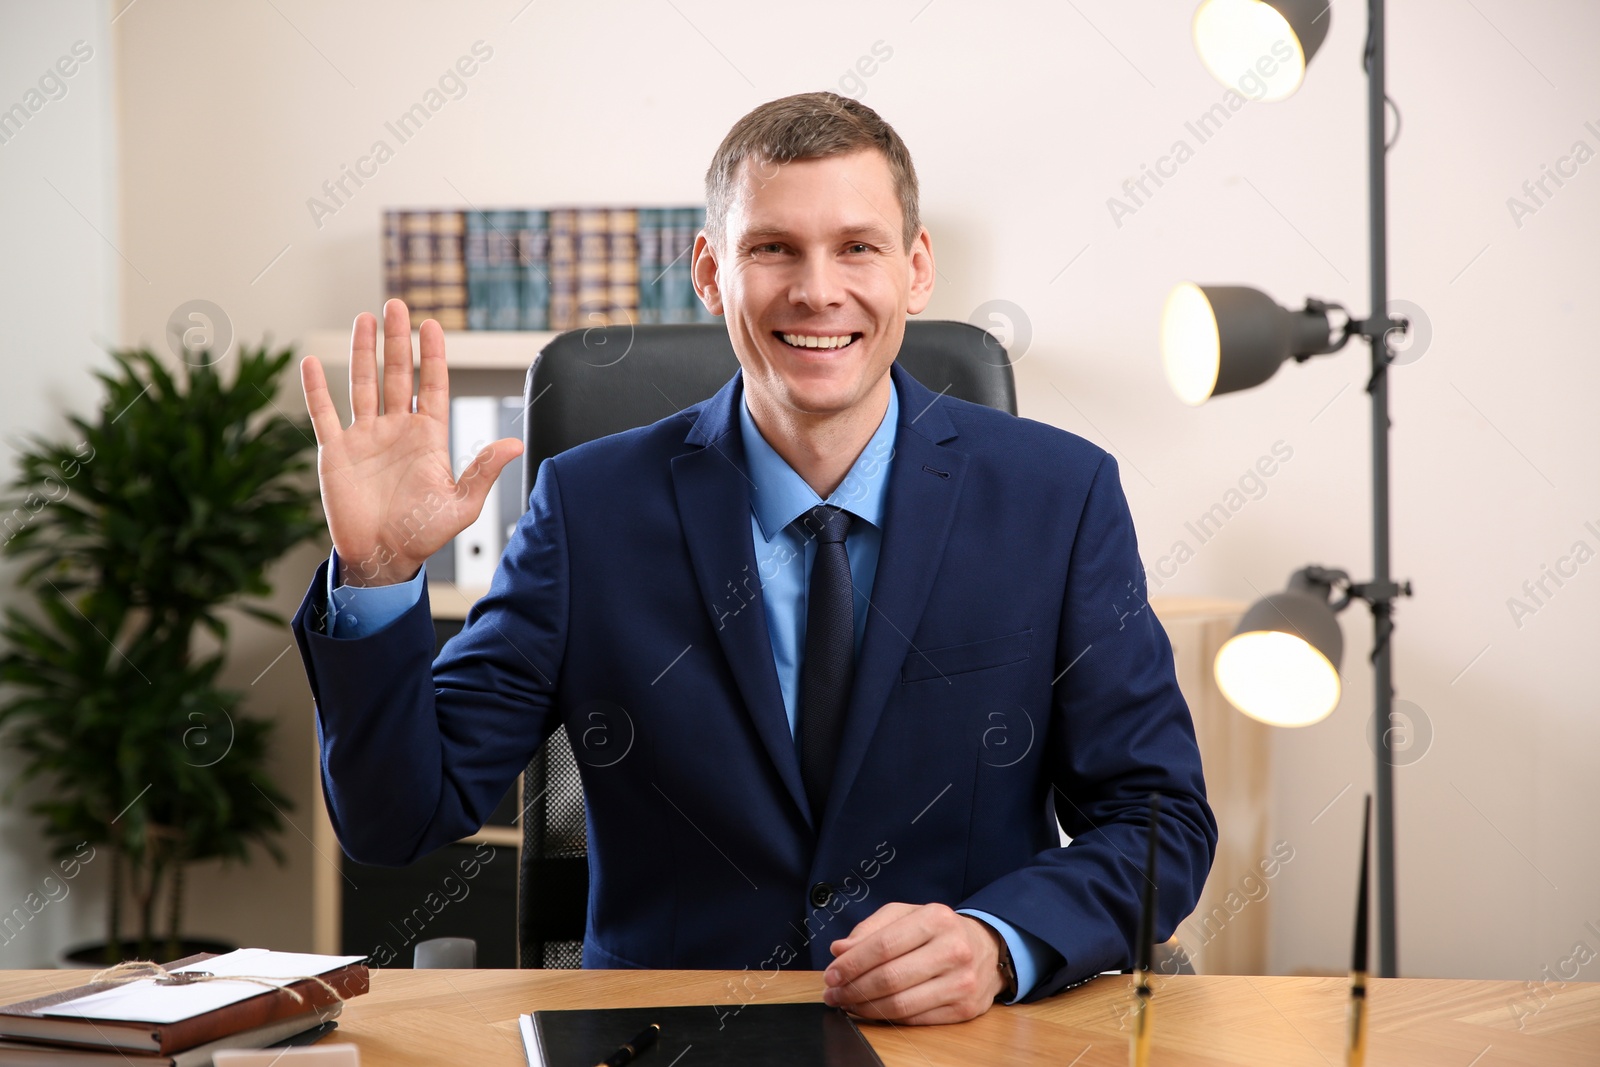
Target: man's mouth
<point>829,342</point>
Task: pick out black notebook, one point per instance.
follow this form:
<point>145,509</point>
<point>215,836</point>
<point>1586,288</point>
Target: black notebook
<point>774,1035</point>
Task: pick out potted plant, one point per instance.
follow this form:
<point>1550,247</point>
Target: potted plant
<point>136,535</point>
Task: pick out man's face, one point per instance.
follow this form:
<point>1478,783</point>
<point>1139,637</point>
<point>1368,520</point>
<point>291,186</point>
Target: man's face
<point>815,281</point>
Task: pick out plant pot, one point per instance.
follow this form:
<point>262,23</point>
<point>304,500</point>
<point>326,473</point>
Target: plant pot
<point>92,957</point>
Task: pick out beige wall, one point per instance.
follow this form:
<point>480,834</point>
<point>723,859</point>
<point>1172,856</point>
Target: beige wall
<point>58,310</point>
<point>1024,119</point>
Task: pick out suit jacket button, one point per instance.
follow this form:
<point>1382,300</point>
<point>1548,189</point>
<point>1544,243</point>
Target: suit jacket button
<point>821,894</point>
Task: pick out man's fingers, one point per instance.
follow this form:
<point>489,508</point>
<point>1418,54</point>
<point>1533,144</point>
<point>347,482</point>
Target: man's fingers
<point>396,357</point>
<point>364,367</point>
<point>944,998</point>
<point>396,364</point>
<point>934,969</point>
<point>896,975</point>
<point>871,925</point>
<point>942,981</point>
<point>324,416</point>
<point>433,391</point>
<point>903,932</point>
<point>484,469</point>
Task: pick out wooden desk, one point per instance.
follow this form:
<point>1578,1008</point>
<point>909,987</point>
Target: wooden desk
<point>439,1017</point>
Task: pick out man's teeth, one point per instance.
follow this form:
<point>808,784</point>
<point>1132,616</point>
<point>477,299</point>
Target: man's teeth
<point>800,340</point>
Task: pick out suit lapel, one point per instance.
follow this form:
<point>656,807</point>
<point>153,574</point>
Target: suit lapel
<point>918,512</point>
<point>714,507</point>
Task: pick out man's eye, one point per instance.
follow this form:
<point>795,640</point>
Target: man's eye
<point>860,247</point>
<point>767,248</point>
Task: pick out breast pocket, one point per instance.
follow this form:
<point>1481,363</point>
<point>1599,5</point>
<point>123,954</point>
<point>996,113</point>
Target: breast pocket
<point>922,664</point>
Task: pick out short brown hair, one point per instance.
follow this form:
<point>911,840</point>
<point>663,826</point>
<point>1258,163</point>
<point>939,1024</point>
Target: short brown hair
<point>808,126</point>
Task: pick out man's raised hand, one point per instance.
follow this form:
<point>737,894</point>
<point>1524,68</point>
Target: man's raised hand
<point>387,486</point>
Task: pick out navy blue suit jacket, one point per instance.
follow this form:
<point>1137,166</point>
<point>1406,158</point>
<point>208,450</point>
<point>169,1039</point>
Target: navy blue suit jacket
<point>1010,674</point>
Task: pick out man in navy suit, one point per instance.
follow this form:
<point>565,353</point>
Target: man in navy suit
<point>859,646</point>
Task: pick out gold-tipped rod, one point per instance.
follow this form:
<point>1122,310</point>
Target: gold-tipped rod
<point>1356,1019</point>
<point>1143,1004</point>
<point>1144,1019</point>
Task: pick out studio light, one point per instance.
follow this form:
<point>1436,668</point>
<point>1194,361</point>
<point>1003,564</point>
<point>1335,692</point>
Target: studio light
<point>1281,665</point>
<point>1274,40</point>
<point>1219,339</point>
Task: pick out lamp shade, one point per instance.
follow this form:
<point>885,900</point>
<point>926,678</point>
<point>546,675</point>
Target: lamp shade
<point>1223,338</point>
<point>1281,665</point>
<point>1260,47</point>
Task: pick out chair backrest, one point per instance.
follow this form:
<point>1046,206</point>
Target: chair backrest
<point>591,383</point>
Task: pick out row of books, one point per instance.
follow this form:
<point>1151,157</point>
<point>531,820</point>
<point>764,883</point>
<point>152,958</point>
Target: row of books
<point>544,269</point>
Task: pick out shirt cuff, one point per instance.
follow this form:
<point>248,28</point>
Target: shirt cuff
<point>360,611</point>
<point>1031,956</point>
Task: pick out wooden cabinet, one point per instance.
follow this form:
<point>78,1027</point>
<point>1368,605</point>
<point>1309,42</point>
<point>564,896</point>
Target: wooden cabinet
<point>1229,930</point>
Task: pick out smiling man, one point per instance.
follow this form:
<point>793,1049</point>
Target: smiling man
<point>814,263</point>
<point>953,653</point>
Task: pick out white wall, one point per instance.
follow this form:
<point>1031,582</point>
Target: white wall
<point>1024,119</point>
<point>58,308</point>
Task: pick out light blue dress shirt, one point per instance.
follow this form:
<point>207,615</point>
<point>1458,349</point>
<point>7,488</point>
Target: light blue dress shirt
<point>779,496</point>
<point>784,556</point>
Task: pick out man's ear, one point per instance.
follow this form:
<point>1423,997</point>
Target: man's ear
<point>703,269</point>
<point>922,272</point>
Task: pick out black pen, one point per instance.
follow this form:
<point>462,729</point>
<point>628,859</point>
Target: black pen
<point>633,1049</point>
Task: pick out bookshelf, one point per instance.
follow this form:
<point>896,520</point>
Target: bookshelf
<point>467,350</point>
<point>481,362</point>
<point>559,266</point>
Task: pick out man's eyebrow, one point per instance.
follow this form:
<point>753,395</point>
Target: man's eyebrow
<point>873,229</point>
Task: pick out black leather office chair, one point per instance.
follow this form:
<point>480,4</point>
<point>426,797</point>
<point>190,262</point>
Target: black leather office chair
<point>590,383</point>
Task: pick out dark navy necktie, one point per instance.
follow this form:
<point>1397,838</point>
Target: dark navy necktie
<point>828,664</point>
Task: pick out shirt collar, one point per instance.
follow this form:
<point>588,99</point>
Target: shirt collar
<point>778,495</point>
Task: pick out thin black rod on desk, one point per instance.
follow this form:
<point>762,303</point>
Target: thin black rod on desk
<point>1382,605</point>
<point>1145,950</point>
<point>1358,950</point>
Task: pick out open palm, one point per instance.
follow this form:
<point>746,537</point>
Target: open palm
<point>387,487</point>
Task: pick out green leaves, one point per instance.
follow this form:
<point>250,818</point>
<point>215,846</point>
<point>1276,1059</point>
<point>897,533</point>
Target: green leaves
<point>181,494</point>
<point>146,522</point>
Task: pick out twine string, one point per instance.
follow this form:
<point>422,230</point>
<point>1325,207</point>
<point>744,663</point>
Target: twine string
<point>136,970</point>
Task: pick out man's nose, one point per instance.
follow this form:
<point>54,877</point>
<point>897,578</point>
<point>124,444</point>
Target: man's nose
<point>818,283</point>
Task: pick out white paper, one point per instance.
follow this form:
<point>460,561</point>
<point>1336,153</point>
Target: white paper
<point>147,1002</point>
